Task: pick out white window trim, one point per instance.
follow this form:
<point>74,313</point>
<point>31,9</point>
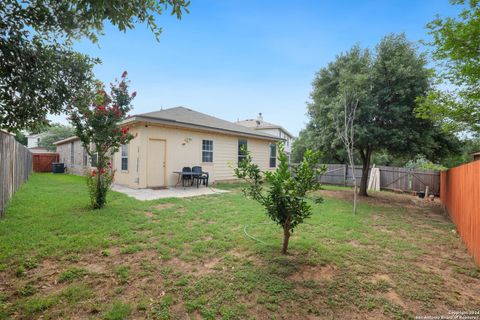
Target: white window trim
<point>238,149</point>
<point>270,157</point>
<point>127,146</point>
<point>203,150</point>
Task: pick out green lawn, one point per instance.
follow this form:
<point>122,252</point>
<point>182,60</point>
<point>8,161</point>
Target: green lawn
<point>190,258</point>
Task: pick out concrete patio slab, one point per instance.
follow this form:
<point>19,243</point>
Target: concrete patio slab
<point>180,192</point>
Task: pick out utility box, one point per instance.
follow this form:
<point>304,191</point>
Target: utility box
<point>58,167</point>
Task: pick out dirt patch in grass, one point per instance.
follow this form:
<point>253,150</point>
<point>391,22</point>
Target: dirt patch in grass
<point>194,268</point>
<point>389,199</point>
<point>164,206</point>
<point>393,297</point>
<point>149,214</point>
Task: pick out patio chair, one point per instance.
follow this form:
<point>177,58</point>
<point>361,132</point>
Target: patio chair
<point>187,176</point>
<point>199,176</point>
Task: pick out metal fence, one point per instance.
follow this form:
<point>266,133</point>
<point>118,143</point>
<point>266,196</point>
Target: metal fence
<point>391,178</point>
<point>15,167</point>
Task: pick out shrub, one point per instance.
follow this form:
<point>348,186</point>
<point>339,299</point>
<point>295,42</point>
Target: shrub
<point>284,199</point>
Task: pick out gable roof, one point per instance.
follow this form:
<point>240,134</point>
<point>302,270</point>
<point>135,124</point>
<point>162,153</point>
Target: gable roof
<point>260,124</point>
<point>185,117</point>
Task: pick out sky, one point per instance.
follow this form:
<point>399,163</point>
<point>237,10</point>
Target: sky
<point>234,59</point>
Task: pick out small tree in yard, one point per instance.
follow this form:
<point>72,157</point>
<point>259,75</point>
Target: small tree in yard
<point>346,132</point>
<point>284,197</point>
<point>96,117</point>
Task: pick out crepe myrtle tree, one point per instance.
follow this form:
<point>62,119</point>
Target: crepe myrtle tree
<point>96,117</point>
<point>283,192</point>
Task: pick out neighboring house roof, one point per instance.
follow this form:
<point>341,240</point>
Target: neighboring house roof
<point>69,139</point>
<point>184,117</point>
<point>259,124</point>
<point>35,135</point>
<point>475,153</point>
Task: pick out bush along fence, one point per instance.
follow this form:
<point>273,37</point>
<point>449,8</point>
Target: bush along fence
<point>460,195</point>
<point>15,167</point>
<point>391,178</point>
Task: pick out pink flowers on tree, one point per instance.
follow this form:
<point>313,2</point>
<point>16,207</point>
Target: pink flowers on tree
<point>96,116</point>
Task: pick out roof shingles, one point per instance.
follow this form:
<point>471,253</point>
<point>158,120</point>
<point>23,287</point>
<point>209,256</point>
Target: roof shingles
<point>185,116</point>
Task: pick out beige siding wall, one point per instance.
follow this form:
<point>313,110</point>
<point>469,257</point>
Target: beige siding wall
<point>129,177</point>
<point>184,149</point>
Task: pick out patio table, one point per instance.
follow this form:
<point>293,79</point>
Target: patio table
<point>181,174</point>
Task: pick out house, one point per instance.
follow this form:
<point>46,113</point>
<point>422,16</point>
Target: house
<point>32,143</point>
<point>260,125</point>
<point>475,155</point>
<point>165,141</point>
<point>73,155</point>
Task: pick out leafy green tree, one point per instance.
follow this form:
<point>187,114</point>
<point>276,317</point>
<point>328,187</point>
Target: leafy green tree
<point>307,140</point>
<point>386,85</point>
<point>39,71</point>
<point>467,146</point>
<point>21,137</point>
<point>55,133</point>
<point>422,163</point>
<point>282,192</point>
<point>96,117</point>
<point>456,42</point>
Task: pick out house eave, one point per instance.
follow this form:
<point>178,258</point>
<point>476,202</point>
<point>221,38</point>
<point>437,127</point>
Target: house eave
<point>72,138</point>
<point>180,124</point>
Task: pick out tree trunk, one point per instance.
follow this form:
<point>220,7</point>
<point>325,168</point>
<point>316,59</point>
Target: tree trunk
<point>365,168</point>
<point>100,192</point>
<point>98,196</point>
<point>286,236</point>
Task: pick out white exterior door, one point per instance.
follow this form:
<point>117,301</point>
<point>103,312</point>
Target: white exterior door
<point>156,157</point>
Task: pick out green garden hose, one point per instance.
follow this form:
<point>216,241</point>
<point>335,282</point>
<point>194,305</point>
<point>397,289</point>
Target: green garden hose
<point>255,224</point>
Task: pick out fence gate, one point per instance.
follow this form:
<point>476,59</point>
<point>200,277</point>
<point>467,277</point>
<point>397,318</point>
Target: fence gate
<point>396,178</point>
<point>42,162</point>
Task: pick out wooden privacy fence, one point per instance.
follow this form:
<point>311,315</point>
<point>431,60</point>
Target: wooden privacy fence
<point>391,178</point>
<point>42,162</point>
<point>15,167</point>
<point>460,194</point>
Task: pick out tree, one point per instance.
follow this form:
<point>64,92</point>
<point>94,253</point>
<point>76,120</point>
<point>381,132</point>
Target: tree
<point>307,140</point>
<point>285,196</point>
<point>456,99</point>
<point>96,117</point>
<point>346,133</point>
<point>21,138</point>
<point>54,133</point>
<point>39,71</point>
<point>422,163</point>
<point>386,84</point>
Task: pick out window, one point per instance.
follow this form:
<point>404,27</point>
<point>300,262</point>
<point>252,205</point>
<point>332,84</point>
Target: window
<point>94,159</point>
<point>207,150</point>
<point>72,153</point>
<point>124,155</point>
<point>273,155</point>
<point>85,157</point>
<point>242,150</point>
